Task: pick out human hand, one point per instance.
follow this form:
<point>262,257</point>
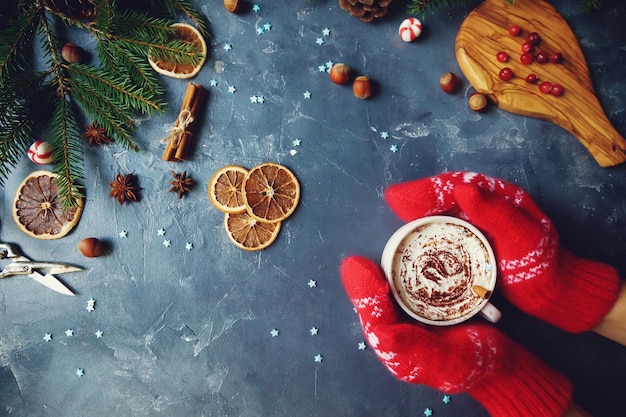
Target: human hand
<point>475,358</point>
<point>536,273</point>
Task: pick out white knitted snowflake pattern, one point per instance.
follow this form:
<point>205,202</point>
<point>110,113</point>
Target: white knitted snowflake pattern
<point>535,262</point>
<point>370,303</point>
<point>387,357</point>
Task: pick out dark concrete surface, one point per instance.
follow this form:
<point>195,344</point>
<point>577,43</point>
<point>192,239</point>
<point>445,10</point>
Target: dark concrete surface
<point>188,332</point>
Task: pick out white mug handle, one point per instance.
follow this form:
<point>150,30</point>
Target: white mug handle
<point>491,313</point>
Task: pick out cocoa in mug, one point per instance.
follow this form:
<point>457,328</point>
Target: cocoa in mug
<point>441,270</point>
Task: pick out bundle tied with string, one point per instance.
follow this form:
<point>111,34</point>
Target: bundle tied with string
<point>178,141</point>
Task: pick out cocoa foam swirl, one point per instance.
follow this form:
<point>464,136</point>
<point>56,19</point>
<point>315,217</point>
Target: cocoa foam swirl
<point>435,268</point>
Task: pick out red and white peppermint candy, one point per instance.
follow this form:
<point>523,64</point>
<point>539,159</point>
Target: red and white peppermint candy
<point>41,152</point>
<point>410,29</point>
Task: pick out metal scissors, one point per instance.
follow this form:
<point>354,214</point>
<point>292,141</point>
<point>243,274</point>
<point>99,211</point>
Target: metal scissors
<point>21,265</point>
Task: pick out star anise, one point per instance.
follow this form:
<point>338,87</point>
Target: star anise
<point>180,184</point>
<point>96,135</point>
<point>124,188</point>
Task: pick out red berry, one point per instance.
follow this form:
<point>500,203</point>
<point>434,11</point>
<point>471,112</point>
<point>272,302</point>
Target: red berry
<point>533,38</point>
<point>531,78</point>
<point>542,57</point>
<point>556,58</point>
<point>502,56</point>
<point>526,58</point>
<point>556,90</point>
<point>514,30</point>
<point>527,47</point>
<point>506,74</point>
<point>545,87</point>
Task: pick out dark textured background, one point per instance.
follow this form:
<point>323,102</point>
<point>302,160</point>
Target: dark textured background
<point>188,332</point>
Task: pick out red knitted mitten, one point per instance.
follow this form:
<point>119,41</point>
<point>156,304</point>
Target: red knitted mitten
<point>502,375</point>
<point>535,273</point>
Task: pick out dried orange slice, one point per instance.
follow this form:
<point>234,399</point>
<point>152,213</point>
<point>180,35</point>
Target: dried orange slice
<point>186,33</point>
<point>225,189</point>
<point>271,192</point>
<point>249,234</point>
<point>37,209</point>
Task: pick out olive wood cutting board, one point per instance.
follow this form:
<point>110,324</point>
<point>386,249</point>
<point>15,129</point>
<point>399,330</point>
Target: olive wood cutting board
<point>485,32</point>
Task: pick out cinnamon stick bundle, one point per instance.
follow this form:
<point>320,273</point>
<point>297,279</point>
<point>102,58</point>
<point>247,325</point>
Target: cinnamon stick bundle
<point>179,141</point>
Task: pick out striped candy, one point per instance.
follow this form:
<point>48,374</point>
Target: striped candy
<point>41,152</point>
<point>410,29</point>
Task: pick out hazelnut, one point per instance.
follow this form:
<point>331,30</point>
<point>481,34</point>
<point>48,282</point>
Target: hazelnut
<point>362,87</point>
<point>477,102</point>
<point>232,5</point>
<point>340,73</point>
<point>91,247</point>
<point>450,82</point>
<point>73,54</point>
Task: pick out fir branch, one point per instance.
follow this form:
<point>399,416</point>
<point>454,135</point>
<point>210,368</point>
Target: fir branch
<point>17,127</point>
<point>421,7</point>
<point>115,58</point>
<point>15,39</point>
<point>64,130</point>
<point>68,161</point>
<point>174,6</point>
<point>589,5</point>
<point>147,36</point>
<point>105,16</point>
<point>114,89</point>
<point>111,100</point>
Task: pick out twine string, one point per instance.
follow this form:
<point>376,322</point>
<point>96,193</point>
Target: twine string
<point>179,128</point>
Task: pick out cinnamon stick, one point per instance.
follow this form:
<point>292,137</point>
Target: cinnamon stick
<point>482,292</point>
<point>178,142</point>
<point>185,141</point>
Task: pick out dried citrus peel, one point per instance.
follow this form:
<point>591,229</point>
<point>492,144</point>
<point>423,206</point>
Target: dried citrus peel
<point>37,208</point>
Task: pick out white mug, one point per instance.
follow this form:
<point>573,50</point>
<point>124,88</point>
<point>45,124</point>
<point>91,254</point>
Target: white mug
<point>442,271</point>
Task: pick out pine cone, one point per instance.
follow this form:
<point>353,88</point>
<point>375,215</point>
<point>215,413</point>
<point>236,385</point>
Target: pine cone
<point>366,10</point>
<point>73,9</point>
